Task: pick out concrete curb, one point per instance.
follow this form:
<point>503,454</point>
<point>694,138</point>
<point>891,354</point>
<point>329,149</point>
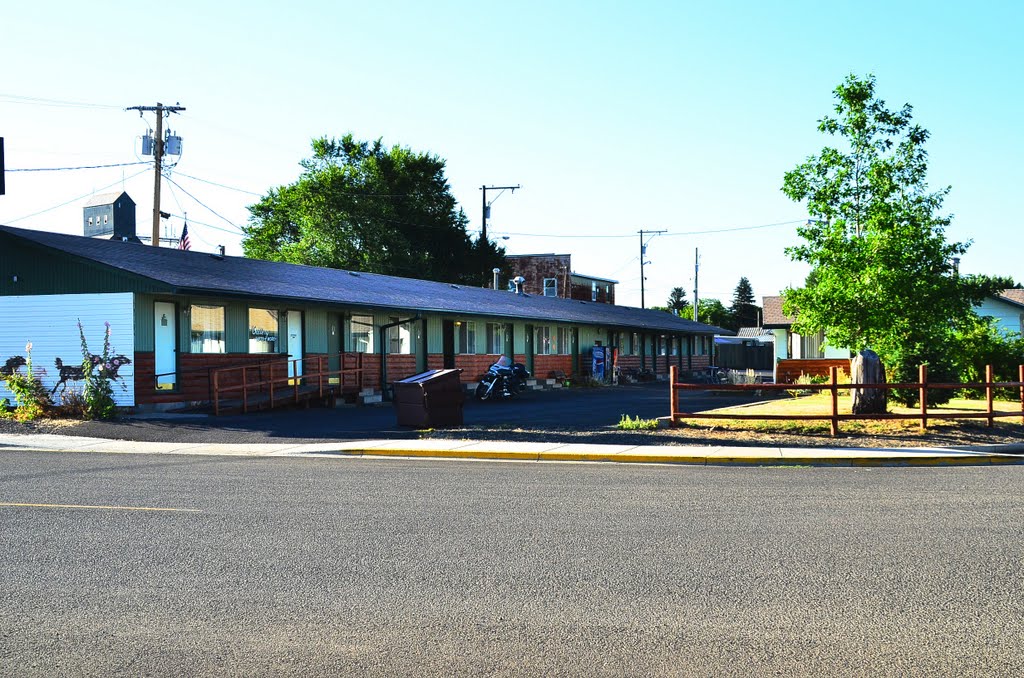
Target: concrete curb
<point>541,452</point>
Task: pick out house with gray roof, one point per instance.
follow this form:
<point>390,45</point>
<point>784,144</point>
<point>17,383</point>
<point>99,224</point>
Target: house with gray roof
<point>191,314</point>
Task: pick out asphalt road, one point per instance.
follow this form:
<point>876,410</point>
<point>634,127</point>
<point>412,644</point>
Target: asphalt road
<point>371,567</point>
<point>557,410</point>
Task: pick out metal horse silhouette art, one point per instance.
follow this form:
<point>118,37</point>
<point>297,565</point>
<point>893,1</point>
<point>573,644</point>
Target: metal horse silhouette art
<point>12,365</point>
<point>76,373</point>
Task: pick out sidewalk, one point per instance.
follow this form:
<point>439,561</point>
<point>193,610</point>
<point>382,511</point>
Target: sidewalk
<point>555,452</point>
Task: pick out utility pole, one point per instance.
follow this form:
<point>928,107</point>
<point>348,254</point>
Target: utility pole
<point>158,154</point>
<point>643,255</point>
<point>486,207</point>
<point>696,269</point>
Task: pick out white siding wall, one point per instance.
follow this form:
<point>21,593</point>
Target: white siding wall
<point>1008,318</point>
<point>50,322</point>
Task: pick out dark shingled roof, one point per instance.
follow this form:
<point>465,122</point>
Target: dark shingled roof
<point>189,272</point>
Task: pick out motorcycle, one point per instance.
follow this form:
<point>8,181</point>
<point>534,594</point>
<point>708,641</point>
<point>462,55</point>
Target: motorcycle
<point>502,380</point>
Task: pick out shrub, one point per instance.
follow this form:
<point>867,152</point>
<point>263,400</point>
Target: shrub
<point>905,370</point>
<point>637,424</point>
<point>73,404</point>
<point>803,379</point>
<point>981,344</point>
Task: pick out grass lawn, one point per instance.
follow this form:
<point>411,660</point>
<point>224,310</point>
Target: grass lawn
<point>820,403</point>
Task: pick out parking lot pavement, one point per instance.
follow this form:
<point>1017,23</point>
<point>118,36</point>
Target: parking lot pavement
<point>576,409</point>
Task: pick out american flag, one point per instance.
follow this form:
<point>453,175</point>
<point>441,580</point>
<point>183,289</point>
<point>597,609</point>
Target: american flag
<point>184,243</point>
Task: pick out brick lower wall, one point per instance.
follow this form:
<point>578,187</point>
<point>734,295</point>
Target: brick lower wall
<point>545,365</point>
<point>195,373</point>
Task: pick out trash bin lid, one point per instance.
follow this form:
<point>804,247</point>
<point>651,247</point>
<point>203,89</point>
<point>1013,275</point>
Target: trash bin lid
<point>428,376</point>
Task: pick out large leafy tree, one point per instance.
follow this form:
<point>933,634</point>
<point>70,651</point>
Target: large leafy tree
<point>359,205</point>
<point>744,311</point>
<point>883,269</point>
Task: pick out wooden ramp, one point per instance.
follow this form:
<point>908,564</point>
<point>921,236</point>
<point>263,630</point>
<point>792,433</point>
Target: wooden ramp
<point>285,383</point>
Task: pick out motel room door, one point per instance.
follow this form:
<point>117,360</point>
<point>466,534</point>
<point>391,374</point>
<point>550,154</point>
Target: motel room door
<point>165,349</point>
<point>448,344</point>
<point>294,347</point>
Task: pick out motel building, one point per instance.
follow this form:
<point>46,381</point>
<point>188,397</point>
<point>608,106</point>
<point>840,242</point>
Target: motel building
<point>177,318</point>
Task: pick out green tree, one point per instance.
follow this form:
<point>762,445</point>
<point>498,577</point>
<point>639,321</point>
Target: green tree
<point>710,312</point>
<point>677,300</point>
<point>744,311</point>
<point>358,205</point>
<point>883,270</point>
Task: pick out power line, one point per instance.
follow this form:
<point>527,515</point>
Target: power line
<point>57,103</point>
<point>210,209</point>
<point>50,209</point>
<point>202,223</point>
<point>214,183</point>
<point>81,167</point>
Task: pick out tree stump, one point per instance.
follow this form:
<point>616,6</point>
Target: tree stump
<point>866,368</point>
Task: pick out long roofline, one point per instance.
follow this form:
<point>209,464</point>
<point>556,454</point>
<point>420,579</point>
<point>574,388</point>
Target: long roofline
<point>199,273</point>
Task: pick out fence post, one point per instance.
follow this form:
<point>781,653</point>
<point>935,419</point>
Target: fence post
<point>216,394</point>
<point>271,382</point>
<point>988,395</point>
<point>245,391</point>
<point>922,376</point>
<point>833,377</point>
<point>1020,378</point>
<point>674,395</point>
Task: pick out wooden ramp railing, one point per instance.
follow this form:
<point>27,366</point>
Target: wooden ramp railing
<point>277,383</point>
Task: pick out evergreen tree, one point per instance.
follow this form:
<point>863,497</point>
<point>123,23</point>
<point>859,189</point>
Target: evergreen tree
<point>744,311</point>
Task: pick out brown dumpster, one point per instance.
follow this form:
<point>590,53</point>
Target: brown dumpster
<point>431,399</point>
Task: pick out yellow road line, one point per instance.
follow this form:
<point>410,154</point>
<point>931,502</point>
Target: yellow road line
<point>108,508</point>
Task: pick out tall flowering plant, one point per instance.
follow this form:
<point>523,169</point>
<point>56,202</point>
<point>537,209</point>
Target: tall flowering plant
<point>29,392</point>
<point>96,372</point>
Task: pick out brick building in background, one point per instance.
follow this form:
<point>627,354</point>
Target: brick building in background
<point>551,275</point>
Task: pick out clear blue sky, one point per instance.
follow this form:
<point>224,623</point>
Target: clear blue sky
<point>613,116</point>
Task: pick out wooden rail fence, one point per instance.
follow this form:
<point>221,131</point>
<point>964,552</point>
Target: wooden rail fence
<point>833,387</point>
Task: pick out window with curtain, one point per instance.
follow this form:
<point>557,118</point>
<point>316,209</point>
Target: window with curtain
<point>360,332</point>
<point>542,341</point>
<point>207,328</point>
<point>264,329</point>
<point>466,336</point>
<point>634,344</point>
<point>399,340</point>
<point>495,338</point>
<point>562,343</point>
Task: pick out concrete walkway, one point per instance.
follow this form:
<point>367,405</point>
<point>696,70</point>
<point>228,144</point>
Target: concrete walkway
<point>513,451</point>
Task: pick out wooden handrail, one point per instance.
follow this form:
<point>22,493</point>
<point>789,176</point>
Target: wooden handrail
<point>246,386</point>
